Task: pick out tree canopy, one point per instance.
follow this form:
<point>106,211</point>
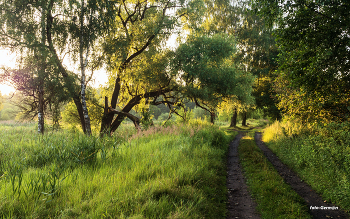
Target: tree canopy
<point>209,73</point>
<point>314,42</point>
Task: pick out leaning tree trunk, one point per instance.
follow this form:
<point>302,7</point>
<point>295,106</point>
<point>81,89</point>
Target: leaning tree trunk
<point>108,125</point>
<point>234,119</point>
<point>107,118</point>
<point>244,118</point>
<point>69,83</point>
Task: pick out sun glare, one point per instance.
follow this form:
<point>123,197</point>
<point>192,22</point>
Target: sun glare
<point>6,60</point>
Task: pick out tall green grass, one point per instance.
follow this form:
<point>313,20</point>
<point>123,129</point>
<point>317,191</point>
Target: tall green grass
<point>319,154</point>
<point>169,172</point>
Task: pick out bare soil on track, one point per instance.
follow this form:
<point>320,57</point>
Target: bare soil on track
<point>240,204</point>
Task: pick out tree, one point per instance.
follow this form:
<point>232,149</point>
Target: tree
<point>314,39</point>
<point>137,59</point>
<point>208,72</point>
<point>39,90</point>
<point>258,52</point>
<point>64,27</point>
<point>256,49</point>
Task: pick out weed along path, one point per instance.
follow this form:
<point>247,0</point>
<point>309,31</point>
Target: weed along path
<point>240,204</point>
<point>315,203</point>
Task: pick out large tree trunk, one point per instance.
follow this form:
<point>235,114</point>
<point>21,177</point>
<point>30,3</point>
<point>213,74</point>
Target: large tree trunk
<point>120,118</point>
<point>107,118</point>
<point>244,118</point>
<point>234,118</point>
<point>108,125</point>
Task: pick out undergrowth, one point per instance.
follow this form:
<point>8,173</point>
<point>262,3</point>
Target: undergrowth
<point>320,154</point>
<point>169,172</point>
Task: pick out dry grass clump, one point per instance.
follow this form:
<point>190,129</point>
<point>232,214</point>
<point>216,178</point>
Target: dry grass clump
<point>285,129</point>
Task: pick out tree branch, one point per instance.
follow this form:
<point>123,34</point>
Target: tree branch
<point>133,118</point>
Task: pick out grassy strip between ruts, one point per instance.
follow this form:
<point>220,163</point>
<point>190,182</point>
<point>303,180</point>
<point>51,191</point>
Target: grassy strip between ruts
<point>173,172</point>
<point>275,199</point>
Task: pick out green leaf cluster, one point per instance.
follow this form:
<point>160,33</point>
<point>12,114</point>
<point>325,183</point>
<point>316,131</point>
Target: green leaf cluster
<point>313,38</point>
<point>207,70</point>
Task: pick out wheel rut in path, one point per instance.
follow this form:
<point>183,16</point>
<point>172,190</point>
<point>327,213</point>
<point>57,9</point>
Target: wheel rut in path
<point>303,189</point>
<point>240,203</point>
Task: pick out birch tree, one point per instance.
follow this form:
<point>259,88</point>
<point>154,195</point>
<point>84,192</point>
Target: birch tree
<point>62,31</point>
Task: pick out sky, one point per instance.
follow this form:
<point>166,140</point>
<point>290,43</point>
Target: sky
<point>8,60</point>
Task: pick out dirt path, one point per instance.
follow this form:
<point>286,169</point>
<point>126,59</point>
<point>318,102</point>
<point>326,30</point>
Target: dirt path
<point>240,204</point>
<point>303,189</point>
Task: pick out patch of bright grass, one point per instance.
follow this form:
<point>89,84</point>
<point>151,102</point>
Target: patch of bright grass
<point>275,199</point>
<point>171,172</point>
<point>320,154</point>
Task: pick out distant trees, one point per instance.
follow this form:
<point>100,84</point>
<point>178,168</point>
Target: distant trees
<point>258,53</point>
<point>128,37</point>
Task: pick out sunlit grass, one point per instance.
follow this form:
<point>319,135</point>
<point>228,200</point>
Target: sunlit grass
<point>169,172</point>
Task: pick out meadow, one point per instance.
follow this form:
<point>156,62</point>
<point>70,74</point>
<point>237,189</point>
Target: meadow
<point>163,172</point>
<point>320,154</point>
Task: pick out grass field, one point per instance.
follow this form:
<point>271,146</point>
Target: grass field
<point>170,172</point>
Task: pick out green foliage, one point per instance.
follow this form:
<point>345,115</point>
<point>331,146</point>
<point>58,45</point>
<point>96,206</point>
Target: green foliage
<point>257,114</point>
<point>155,111</point>
<point>1,101</point>
<point>258,51</point>
<point>313,39</point>
<point>200,113</point>
<point>311,107</point>
<point>157,173</point>
<point>319,154</point>
<point>208,73</point>
<point>146,118</point>
<point>275,199</point>
<point>70,115</point>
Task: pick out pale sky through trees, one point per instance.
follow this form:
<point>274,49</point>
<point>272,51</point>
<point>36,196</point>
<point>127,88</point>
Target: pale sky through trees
<point>100,77</point>
<point>6,59</point>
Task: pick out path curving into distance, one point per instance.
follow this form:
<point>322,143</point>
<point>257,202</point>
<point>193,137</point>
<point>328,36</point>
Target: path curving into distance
<point>240,203</point>
<point>300,187</point>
